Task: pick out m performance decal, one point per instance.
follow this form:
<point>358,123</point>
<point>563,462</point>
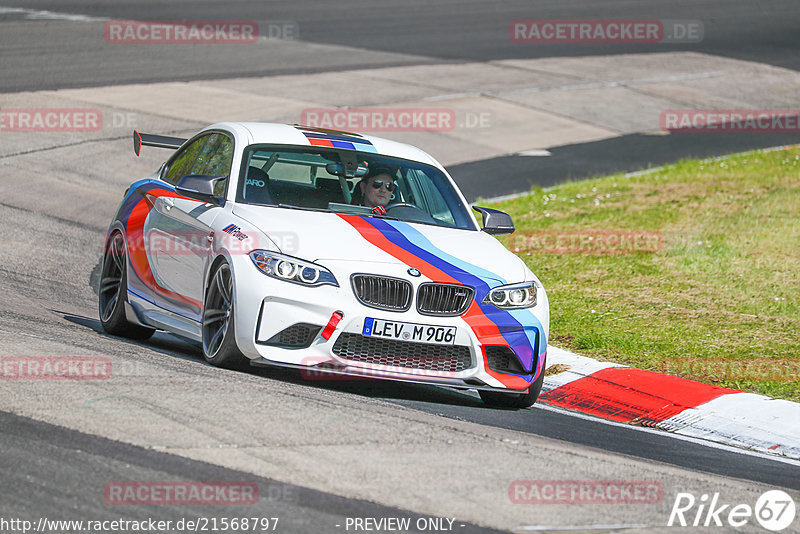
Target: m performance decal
<point>133,214</point>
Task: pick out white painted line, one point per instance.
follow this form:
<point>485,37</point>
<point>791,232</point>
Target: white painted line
<point>715,158</point>
<point>535,153</point>
<point>748,152</point>
<point>450,96</point>
<point>37,14</point>
<point>643,172</point>
<point>503,198</point>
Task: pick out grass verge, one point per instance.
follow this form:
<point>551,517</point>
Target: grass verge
<point>691,270</point>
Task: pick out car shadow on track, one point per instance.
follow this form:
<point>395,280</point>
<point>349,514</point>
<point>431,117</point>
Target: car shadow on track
<point>161,342</point>
<point>171,345</point>
<point>374,388</point>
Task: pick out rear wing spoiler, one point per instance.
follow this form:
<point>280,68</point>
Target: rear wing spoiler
<point>160,141</point>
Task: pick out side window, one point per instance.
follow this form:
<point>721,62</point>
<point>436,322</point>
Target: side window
<point>215,160</point>
<point>182,164</point>
<point>436,204</point>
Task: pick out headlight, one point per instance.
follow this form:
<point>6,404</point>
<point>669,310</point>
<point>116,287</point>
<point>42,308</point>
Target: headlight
<point>513,297</point>
<point>291,269</point>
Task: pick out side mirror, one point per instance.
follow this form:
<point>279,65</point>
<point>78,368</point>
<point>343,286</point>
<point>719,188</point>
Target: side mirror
<point>495,222</point>
<point>199,187</point>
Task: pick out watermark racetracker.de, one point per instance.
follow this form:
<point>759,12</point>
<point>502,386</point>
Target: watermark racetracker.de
<point>63,120</point>
<point>585,492</point>
<point>586,242</point>
<point>237,32</point>
<point>757,369</point>
<point>324,369</point>
<point>232,239</point>
<point>394,119</point>
<point>730,120</point>
<point>162,493</point>
<point>549,31</point>
<point>55,367</point>
<point>56,120</point>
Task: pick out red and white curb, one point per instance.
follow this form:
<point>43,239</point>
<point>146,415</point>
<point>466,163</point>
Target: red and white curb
<point>683,407</point>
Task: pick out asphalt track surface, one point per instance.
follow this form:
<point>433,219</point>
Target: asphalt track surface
<point>61,53</point>
<point>35,453</point>
<point>405,32</point>
<point>50,470</point>
<point>558,424</point>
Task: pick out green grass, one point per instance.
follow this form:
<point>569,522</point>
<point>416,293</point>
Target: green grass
<point>719,303</point>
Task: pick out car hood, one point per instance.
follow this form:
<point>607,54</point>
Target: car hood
<point>319,236</point>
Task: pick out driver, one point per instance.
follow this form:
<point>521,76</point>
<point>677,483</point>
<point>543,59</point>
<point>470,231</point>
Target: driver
<point>377,190</point>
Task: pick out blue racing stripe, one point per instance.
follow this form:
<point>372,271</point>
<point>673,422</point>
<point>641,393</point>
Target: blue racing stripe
<point>419,239</point>
<point>401,234</point>
<point>366,147</point>
<point>343,144</point>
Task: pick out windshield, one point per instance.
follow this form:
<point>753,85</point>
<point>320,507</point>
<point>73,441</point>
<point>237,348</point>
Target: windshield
<point>314,178</point>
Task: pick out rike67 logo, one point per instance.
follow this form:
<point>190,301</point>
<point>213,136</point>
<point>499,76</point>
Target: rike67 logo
<point>774,511</point>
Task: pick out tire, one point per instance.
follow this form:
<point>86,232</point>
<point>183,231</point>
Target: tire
<point>219,337</point>
<point>514,400</point>
<point>114,290</point>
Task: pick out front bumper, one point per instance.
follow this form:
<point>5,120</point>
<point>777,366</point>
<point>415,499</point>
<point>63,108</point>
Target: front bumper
<point>267,309</point>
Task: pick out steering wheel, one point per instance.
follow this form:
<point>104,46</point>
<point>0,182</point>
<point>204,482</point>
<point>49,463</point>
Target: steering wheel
<point>410,212</point>
<point>403,205</point>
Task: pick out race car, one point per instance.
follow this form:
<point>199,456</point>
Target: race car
<point>265,243</point>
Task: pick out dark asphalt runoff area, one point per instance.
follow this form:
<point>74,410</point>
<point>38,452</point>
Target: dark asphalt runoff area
<point>410,32</point>
<point>74,54</point>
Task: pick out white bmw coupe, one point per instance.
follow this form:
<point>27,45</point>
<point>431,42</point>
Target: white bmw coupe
<point>318,249</point>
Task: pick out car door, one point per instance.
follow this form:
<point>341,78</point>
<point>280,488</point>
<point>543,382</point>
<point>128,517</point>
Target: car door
<point>180,234</point>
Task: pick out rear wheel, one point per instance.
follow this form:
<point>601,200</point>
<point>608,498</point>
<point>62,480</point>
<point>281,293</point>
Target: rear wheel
<point>514,400</point>
<point>219,339</point>
<point>114,291</point>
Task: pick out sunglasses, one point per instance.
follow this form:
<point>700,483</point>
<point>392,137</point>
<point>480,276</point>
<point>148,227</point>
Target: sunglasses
<point>377,184</point>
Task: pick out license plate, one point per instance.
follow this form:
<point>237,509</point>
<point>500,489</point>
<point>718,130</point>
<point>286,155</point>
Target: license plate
<point>419,333</point>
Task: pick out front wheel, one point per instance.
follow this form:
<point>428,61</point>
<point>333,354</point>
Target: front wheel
<point>514,400</point>
<point>219,339</point>
<point>114,291</point>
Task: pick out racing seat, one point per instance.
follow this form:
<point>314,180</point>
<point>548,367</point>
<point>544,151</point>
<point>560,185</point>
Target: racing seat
<point>357,197</point>
<point>256,186</point>
<point>328,190</point>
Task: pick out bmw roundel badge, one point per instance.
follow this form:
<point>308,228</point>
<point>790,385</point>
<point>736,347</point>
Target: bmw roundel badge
<point>414,272</point>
